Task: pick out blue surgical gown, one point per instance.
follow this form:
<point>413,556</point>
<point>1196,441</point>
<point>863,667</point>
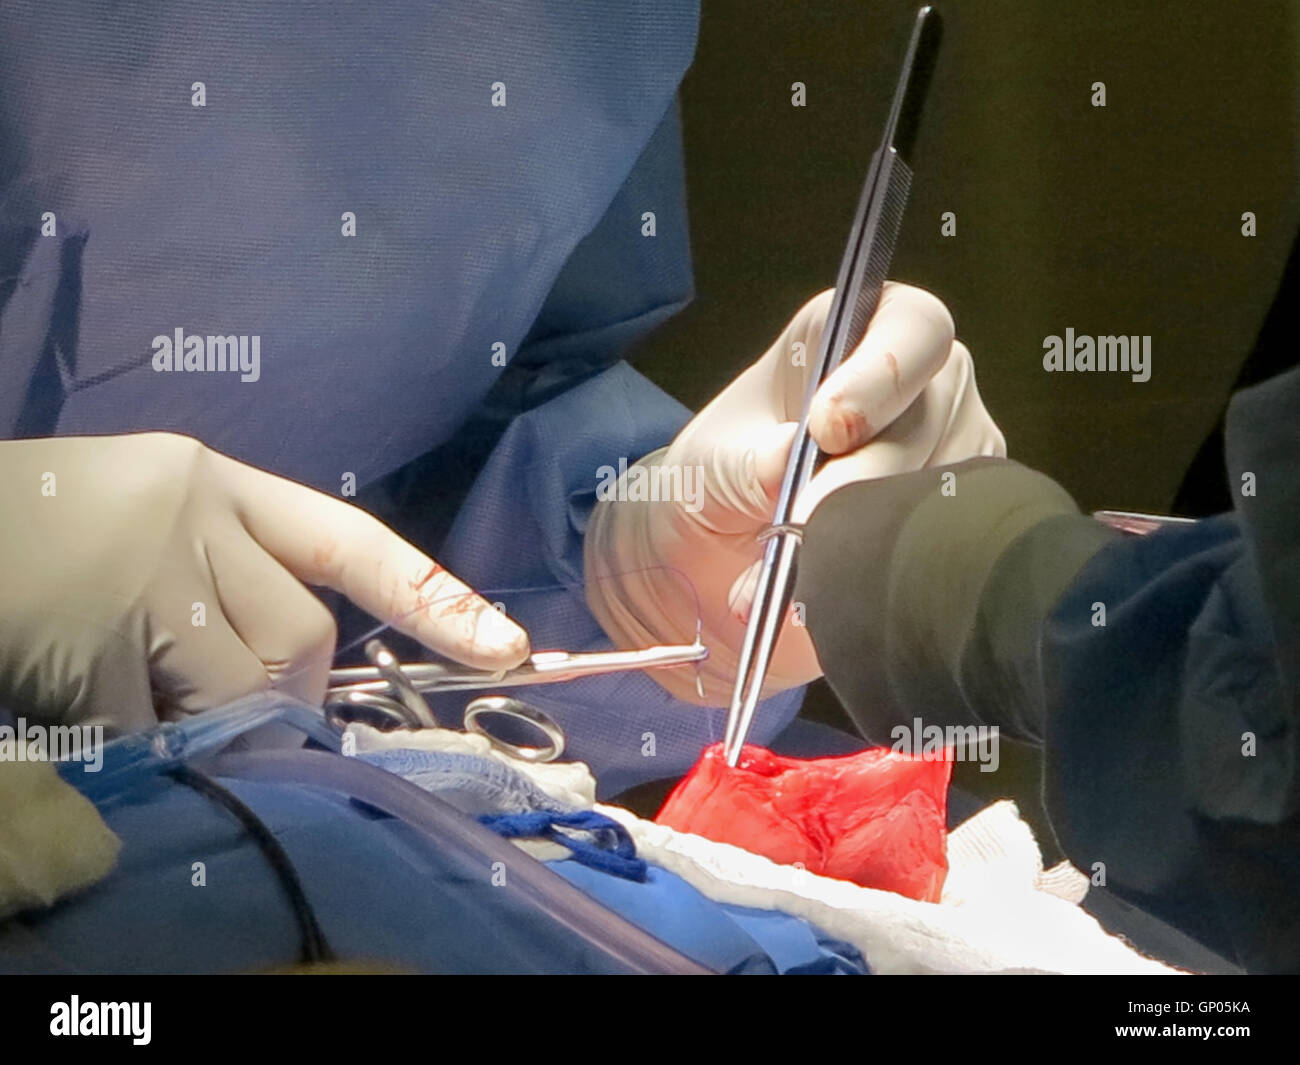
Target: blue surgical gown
<point>197,167</point>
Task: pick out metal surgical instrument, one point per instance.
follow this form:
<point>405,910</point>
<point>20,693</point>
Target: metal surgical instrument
<point>857,292</point>
<point>394,691</point>
<point>505,706</point>
<point>1138,524</point>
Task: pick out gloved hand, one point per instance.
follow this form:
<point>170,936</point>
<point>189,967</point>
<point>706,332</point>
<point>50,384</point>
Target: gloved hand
<point>147,576</point>
<point>903,400</point>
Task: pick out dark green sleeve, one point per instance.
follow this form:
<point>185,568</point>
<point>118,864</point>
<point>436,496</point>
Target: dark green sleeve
<point>925,593</point>
<point>1160,674</point>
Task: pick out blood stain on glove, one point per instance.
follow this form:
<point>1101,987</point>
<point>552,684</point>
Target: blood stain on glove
<point>892,359</point>
<point>876,818</point>
<point>434,570</point>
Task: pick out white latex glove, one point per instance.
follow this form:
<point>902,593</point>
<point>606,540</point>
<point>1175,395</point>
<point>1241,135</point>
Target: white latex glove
<point>108,545</point>
<point>904,399</point>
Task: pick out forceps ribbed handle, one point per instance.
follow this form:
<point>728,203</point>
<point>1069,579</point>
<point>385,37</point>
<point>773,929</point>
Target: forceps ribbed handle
<point>858,287</point>
<point>863,276</point>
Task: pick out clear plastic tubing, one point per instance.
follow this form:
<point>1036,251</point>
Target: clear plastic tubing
<point>137,756</point>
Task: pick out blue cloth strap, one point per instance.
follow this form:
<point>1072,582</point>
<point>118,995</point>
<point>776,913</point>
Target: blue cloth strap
<point>618,858</point>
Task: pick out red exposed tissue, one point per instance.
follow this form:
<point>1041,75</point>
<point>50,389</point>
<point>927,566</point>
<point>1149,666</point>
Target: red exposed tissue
<point>876,818</point>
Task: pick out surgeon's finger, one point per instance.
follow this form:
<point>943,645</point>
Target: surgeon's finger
<point>262,630</point>
<point>971,429</point>
<point>324,541</point>
<point>906,343</point>
<point>287,629</point>
<point>881,458</point>
<point>741,478</point>
<point>195,667</point>
<point>946,423</point>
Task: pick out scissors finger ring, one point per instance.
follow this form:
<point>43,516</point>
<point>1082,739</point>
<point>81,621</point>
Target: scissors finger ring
<point>521,711</point>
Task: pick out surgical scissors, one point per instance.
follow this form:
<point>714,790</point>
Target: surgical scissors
<point>394,691</point>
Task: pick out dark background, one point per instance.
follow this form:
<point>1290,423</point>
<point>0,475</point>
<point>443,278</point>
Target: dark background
<point>1117,220</point>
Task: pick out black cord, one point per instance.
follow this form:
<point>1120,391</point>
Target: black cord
<point>315,947</point>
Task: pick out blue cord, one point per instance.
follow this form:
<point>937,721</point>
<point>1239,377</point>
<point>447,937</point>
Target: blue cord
<point>618,859</point>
